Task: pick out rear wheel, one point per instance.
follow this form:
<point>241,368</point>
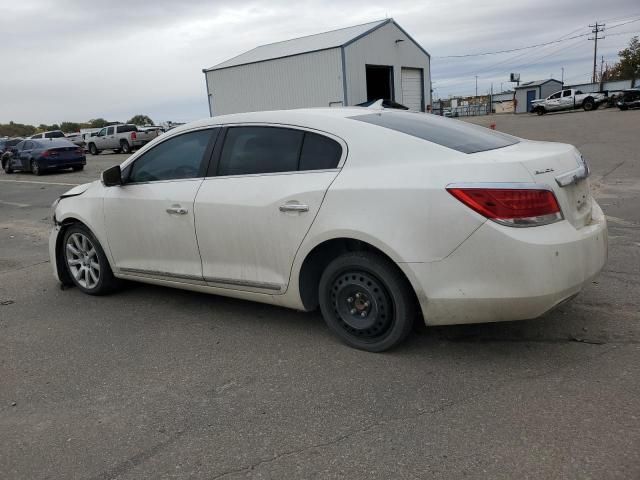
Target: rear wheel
<point>366,301</point>
<point>35,168</point>
<point>124,146</point>
<point>93,149</point>
<point>86,262</point>
<point>588,104</point>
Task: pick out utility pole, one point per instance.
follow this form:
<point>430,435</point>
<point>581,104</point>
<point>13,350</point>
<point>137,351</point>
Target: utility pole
<point>562,79</point>
<point>476,85</point>
<point>595,29</point>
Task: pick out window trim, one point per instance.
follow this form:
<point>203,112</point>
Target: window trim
<point>204,161</point>
<point>213,171</point>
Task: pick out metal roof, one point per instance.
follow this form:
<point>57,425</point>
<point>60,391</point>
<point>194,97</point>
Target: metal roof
<point>538,83</point>
<point>297,46</point>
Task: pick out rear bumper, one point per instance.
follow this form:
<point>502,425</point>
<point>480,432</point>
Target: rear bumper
<point>75,162</point>
<point>501,273</point>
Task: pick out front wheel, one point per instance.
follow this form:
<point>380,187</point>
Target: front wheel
<point>540,111</point>
<point>366,301</point>
<point>6,165</point>
<point>93,150</point>
<point>35,168</point>
<point>86,261</point>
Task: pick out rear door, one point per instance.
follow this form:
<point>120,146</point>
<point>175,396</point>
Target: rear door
<point>253,215</point>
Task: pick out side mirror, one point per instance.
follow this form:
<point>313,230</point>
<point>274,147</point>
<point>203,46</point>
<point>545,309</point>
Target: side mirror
<point>112,176</point>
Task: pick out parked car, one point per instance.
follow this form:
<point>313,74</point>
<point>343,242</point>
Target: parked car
<point>7,143</point>
<point>372,216</point>
<point>50,134</point>
<point>76,138</point>
<point>119,138</point>
<point>568,99</point>
<point>38,156</point>
<point>630,99</point>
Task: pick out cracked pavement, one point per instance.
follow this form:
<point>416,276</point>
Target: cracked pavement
<point>160,383</point>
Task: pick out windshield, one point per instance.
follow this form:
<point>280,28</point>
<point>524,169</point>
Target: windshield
<point>455,134</point>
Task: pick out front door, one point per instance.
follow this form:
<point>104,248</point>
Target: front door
<point>252,217</point>
<point>150,220</point>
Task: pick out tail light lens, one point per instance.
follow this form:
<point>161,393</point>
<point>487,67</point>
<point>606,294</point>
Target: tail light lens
<point>133,135</point>
<point>45,154</point>
<point>80,151</point>
<point>514,207</point>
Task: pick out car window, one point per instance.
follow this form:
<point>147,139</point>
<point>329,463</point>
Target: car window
<point>55,134</point>
<point>28,145</point>
<point>250,150</point>
<point>578,92</point>
<point>109,130</point>
<point>102,132</point>
<point>126,128</point>
<point>319,152</point>
<point>176,158</point>
<point>20,145</point>
<point>566,93</point>
<point>555,95</point>
<point>455,134</point>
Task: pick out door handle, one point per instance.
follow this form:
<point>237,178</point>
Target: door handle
<point>294,207</point>
<point>177,211</point>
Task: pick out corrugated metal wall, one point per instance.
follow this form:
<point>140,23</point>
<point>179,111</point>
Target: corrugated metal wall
<point>309,80</point>
<point>380,48</point>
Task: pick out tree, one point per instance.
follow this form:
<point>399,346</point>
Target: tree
<point>628,66</point>
<point>98,122</point>
<point>69,127</point>
<point>141,120</point>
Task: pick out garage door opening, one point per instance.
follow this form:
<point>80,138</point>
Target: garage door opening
<point>379,82</point>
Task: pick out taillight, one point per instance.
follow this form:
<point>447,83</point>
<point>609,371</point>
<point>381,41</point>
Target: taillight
<point>80,151</point>
<point>133,135</point>
<point>46,154</point>
<point>516,206</point>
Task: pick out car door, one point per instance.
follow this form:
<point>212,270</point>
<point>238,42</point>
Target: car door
<point>553,102</point>
<point>100,139</point>
<point>110,138</point>
<point>150,219</point>
<point>24,154</point>
<point>252,216</point>
<point>566,100</point>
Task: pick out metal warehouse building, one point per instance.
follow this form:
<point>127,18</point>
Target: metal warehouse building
<point>342,67</point>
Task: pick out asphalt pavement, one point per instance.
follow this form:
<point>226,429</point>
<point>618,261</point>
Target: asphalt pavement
<point>159,383</point>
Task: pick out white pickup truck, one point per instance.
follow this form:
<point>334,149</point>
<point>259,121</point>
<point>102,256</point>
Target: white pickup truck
<point>119,138</point>
<point>568,99</point>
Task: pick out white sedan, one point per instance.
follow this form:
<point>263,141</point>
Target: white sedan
<point>375,217</point>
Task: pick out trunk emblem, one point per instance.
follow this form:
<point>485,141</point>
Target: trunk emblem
<point>547,170</point>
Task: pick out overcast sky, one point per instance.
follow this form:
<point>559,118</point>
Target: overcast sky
<point>75,60</point>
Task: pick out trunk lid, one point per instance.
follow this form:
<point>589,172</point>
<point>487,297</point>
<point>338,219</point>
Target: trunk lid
<point>546,162</point>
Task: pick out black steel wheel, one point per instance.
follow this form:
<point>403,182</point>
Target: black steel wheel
<point>588,105</point>
<point>366,301</point>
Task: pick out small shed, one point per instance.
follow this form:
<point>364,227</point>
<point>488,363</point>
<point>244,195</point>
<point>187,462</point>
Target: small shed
<point>529,91</point>
<point>338,68</point>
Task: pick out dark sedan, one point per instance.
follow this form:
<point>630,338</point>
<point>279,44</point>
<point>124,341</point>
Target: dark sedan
<point>38,156</point>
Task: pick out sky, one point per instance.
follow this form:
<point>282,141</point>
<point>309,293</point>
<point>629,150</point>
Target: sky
<point>72,60</point>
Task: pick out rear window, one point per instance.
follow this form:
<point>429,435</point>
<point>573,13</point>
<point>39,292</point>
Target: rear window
<point>55,134</point>
<point>126,128</point>
<point>455,134</point>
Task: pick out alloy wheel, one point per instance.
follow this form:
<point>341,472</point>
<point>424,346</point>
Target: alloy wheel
<point>82,260</point>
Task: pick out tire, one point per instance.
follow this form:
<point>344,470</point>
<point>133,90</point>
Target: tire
<point>93,150</point>
<point>622,109</point>
<point>6,166</point>
<point>124,146</point>
<point>35,168</point>
<point>540,111</point>
<point>78,168</point>
<point>366,301</point>
<point>85,261</point>
<point>588,104</point>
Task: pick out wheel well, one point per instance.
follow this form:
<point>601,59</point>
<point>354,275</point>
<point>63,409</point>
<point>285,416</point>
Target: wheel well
<point>318,259</point>
<point>587,99</point>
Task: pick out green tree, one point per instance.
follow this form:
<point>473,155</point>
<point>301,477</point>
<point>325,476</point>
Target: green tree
<point>13,129</point>
<point>141,120</point>
<point>69,127</point>
<point>628,66</point>
<point>97,122</point>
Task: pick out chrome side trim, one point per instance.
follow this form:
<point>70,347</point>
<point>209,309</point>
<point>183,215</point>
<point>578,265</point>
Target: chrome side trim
<point>244,283</point>
<point>156,273</point>
<point>505,185</point>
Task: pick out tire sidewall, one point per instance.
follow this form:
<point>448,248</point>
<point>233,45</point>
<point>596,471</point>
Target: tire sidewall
<point>398,291</point>
<point>105,281</point>
<point>124,147</point>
